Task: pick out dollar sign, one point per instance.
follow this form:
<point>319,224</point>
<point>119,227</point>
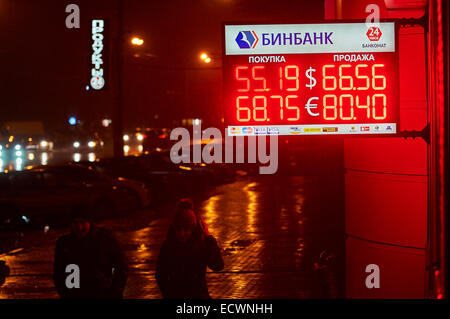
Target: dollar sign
<point>312,80</point>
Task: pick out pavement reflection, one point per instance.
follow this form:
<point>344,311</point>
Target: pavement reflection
<point>267,228</point>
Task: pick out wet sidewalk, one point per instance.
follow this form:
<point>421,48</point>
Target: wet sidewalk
<point>271,230</point>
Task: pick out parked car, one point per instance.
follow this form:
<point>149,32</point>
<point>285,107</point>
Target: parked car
<point>212,173</point>
<point>46,195</point>
<point>164,178</point>
<point>141,192</point>
<point>157,140</point>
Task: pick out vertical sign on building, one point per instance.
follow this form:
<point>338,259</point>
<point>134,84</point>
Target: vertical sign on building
<point>97,66</point>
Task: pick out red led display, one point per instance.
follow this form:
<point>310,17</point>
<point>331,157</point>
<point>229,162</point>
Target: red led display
<point>311,89</point>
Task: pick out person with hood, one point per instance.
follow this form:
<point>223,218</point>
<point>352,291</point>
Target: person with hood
<point>96,253</point>
<point>184,256</point>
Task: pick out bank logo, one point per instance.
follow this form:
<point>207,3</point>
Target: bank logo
<point>247,130</point>
<point>364,128</point>
<point>273,131</point>
<point>235,130</point>
<point>247,39</point>
<point>313,130</point>
<point>374,33</point>
<point>260,130</point>
<point>295,130</point>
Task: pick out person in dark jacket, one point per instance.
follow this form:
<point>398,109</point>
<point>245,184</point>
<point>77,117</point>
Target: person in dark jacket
<point>97,254</point>
<point>188,249</point>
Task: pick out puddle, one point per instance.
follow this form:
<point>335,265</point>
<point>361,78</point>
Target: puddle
<point>242,243</point>
<point>236,246</point>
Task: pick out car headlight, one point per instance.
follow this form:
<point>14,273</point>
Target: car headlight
<point>76,157</point>
<point>17,147</point>
<point>44,143</point>
<point>76,144</point>
<point>91,144</point>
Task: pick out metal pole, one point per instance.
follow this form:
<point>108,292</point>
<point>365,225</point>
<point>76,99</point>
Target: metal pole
<point>117,122</point>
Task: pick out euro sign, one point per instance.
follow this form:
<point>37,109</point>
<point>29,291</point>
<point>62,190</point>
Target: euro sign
<point>312,80</point>
<point>310,106</point>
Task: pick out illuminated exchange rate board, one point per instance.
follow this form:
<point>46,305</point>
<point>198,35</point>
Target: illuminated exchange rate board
<point>311,79</point>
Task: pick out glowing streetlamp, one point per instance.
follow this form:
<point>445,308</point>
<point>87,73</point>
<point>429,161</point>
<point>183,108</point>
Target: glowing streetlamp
<point>137,41</point>
<point>205,58</point>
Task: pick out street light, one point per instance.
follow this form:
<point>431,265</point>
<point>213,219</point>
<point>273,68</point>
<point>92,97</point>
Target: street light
<point>117,115</point>
<point>205,58</point>
<point>137,41</point>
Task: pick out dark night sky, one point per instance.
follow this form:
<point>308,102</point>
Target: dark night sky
<point>44,65</point>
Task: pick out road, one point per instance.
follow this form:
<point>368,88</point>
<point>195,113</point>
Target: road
<point>271,230</point>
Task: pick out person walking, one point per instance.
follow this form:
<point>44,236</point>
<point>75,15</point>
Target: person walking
<point>185,255</point>
<point>97,257</point>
